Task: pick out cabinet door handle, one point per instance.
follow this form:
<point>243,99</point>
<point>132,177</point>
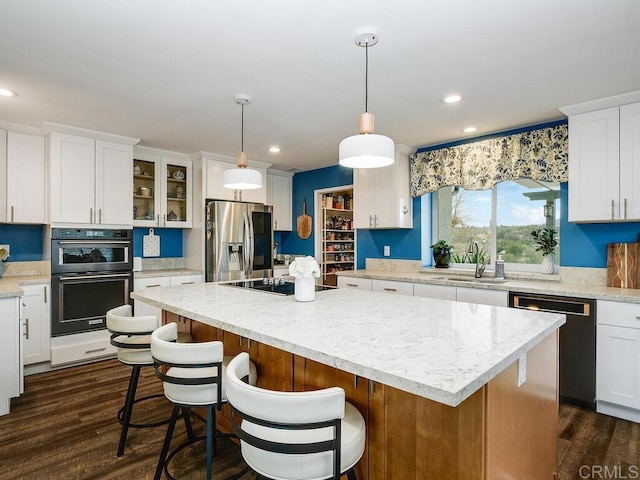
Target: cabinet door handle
<point>11,213</point>
<point>26,332</point>
<point>612,208</point>
<point>158,220</point>
<point>355,381</point>
<point>375,223</point>
<point>95,350</point>
<point>276,225</point>
<point>164,220</point>
<point>91,215</point>
<point>390,289</point>
<point>249,343</point>
<point>100,215</point>
<point>638,317</point>
<point>625,208</point>
<point>372,387</point>
<point>45,294</point>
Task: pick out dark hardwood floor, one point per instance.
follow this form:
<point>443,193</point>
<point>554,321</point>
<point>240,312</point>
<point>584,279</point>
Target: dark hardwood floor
<point>64,427</point>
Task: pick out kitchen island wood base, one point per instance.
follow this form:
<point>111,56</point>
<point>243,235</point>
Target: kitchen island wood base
<point>502,431</point>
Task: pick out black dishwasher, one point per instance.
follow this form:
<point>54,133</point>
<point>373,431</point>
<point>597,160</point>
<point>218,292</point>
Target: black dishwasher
<point>577,343</point>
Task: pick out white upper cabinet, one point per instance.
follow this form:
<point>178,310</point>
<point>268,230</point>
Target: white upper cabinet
<point>279,187</point>
<point>381,195</point>
<point>604,161</point>
<point>90,179</point>
<point>162,189</point>
<point>22,168</point>
<point>630,161</point>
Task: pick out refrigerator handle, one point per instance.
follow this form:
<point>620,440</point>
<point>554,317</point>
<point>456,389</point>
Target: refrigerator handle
<point>251,244</point>
<point>247,257</point>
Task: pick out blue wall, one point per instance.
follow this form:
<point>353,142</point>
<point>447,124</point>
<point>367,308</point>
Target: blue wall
<point>585,244</point>
<point>25,242</point>
<point>170,241</point>
<point>304,184</point>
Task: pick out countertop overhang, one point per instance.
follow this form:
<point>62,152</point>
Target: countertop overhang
<point>441,350</point>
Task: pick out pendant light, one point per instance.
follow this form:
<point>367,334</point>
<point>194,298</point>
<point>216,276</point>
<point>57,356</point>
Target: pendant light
<point>366,150</point>
<point>242,178</point>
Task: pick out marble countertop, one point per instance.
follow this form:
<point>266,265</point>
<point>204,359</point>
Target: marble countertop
<point>440,350</point>
<point>11,286</point>
<point>597,292</point>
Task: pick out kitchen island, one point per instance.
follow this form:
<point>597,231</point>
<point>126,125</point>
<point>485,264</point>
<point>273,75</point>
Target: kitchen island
<point>436,380</point>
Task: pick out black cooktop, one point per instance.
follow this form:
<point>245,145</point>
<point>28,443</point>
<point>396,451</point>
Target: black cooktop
<point>276,286</point>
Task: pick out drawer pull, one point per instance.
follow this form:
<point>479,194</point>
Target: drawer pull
<point>96,350</point>
<point>187,283</point>
<point>390,289</point>
<point>352,284</point>
<point>154,285</point>
<point>638,317</point>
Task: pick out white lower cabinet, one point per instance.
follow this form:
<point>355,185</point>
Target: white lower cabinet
<point>142,309</point>
<point>81,347</point>
<point>443,292</point>
<point>482,296</point>
<point>36,324</point>
<point>462,294</point>
<point>354,283</point>
<point>392,286</point>
<point>618,360</point>
<point>10,355</point>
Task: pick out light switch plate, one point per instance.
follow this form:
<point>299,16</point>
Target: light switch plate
<point>522,369</point>
<point>386,251</point>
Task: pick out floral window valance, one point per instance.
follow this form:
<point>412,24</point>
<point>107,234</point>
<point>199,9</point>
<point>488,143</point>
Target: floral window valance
<point>541,154</point>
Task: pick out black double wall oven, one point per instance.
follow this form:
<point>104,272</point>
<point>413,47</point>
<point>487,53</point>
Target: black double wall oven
<point>91,272</point>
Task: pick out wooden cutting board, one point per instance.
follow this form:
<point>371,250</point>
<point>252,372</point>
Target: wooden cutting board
<point>622,265</point>
<point>304,222</point>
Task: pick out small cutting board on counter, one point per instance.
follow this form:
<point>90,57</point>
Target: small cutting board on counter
<point>151,244</point>
<point>622,265</point>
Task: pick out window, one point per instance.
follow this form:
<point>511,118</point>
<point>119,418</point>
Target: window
<point>500,220</point>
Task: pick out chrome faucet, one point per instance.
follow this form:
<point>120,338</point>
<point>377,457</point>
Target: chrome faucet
<point>480,266</point>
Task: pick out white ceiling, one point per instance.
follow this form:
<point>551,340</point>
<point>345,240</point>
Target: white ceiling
<point>166,71</point>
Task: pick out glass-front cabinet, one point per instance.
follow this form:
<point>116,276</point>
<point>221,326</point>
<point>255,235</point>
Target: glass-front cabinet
<point>162,189</point>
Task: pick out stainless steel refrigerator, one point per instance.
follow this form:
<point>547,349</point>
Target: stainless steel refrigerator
<point>239,240</point>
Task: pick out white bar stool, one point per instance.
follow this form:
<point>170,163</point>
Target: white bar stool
<point>312,435</point>
<point>195,376</point>
<point>132,336</point>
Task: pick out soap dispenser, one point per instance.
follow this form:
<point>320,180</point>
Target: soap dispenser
<point>499,267</point>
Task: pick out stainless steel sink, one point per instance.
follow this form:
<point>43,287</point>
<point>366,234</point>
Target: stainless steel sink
<point>489,281</point>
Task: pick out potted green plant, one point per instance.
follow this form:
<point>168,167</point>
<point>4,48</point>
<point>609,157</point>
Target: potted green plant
<point>546,243</point>
<point>441,254</point>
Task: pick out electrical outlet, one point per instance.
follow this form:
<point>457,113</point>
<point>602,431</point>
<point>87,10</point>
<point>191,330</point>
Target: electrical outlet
<point>386,250</point>
<point>522,369</point>
<point>6,247</point>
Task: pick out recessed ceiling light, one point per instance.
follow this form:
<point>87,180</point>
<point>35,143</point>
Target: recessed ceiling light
<point>469,129</point>
<point>452,98</point>
<point>5,92</point>
<point>274,149</point>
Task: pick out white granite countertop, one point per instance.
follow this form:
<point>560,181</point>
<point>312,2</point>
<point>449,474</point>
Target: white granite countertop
<point>11,286</point>
<point>597,292</point>
<point>441,350</point>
